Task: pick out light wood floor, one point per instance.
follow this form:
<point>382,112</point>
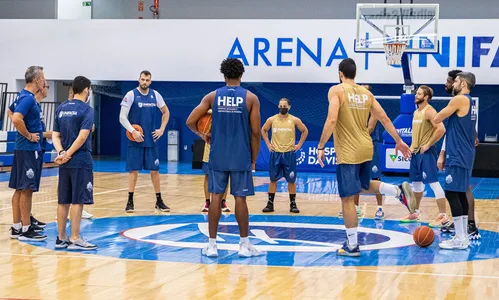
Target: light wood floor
<point>37,273</point>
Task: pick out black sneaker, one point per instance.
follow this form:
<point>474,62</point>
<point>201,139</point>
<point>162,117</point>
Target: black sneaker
<point>473,233</point>
<point>129,206</point>
<point>160,205</point>
<point>36,228</point>
<point>31,235</point>
<point>37,223</point>
<point>14,233</point>
<point>61,244</point>
<point>448,228</point>
<point>293,208</point>
<point>269,207</point>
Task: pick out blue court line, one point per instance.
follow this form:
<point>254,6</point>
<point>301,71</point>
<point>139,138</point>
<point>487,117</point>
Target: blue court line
<point>311,183</point>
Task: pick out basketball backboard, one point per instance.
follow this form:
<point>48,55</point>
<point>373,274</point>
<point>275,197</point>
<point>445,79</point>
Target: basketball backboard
<point>416,24</point>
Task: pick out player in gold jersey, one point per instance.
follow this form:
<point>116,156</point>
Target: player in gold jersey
<point>282,149</point>
<point>349,107</point>
<point>206,170</point>
<point>423,170</point>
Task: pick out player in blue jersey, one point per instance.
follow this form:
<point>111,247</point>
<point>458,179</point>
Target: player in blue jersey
<point>73,141</point>
<point>139,107</point>
<point>39,96</point>
<point>449,227</point>
<point>28,158</point>
<point>460,155</point>
<point>234,146</point>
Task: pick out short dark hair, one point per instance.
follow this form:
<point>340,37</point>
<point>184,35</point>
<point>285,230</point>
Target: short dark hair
<point>348,68</point>
<point>469,78</point>
<point>31,73</point>
<point>285,99</point>
<point>367,87</point>
<point>453,74</point>
<point>80,83</point>
<point>145,72</point>
<point>232,68</point>
<point>427,91</point>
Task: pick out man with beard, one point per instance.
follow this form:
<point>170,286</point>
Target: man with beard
<point>449,226</point>
<point>139,107</point>
<point>425,133</point>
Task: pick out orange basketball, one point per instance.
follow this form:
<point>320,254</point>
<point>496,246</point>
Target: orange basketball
<point>204,124</point>
<point>423,236</point>
<point>129,134</point>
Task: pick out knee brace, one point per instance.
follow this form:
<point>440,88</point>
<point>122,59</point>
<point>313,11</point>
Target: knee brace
<point>418,187</point>
<point>437,190</point>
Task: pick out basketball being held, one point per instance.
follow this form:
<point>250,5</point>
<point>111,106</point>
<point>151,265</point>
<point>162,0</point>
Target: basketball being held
<point>423,236</point>
<point>129,135</point>
<point>204,123</point>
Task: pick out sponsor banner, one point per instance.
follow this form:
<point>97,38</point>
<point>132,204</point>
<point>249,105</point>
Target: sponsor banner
<point>396,161</point>
<point>306,158</point>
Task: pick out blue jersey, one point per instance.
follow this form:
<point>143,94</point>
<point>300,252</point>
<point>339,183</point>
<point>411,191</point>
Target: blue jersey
<point>26,105</point>
<point>461,134</point>
<point>71,117</point>
<point>230,131</point>
<point>143,111</point>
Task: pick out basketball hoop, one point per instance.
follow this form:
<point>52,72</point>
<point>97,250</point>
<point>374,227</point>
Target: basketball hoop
<point>394,52</point>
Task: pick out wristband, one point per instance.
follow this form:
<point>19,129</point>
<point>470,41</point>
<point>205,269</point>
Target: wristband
<point>61,151</point>
<point>320,148</point>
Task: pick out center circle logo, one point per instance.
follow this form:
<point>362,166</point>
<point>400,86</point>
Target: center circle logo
<point>284,240</point>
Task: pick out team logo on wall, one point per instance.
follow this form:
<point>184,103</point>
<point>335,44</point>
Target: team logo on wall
<point>284,240</point>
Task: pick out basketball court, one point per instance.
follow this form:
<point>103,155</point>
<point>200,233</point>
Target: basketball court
<point>153,255</point>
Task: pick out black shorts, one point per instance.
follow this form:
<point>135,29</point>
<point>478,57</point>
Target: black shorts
<point>76,186</point>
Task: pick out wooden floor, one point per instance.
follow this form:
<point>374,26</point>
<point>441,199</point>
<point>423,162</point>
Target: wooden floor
<point>29,272</point>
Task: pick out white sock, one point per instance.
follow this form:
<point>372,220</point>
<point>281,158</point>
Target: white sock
<point>244,241</point>
<point>458,223</point>
<point>212,242</point>
<point>356,207</point>
<point>389,189</point>
<point>417,211</point>
<point>352,237</point>
<point>380,207</point>
<point>17,226</point>
<point>25,228</point>
<point>465,224</point>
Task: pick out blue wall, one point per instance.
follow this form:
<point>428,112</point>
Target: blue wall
<point>308,102</point>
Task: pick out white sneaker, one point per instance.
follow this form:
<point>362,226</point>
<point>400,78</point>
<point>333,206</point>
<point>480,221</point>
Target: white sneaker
<point>248,250</point>
<point>86,215</point>
<point>455,244</point>
<point>210,250</point>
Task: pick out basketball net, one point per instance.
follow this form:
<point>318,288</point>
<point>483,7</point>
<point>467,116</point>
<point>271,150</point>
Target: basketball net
<point>394,52</point>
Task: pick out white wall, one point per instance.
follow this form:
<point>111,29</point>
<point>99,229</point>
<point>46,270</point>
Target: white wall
<point>191,50</point>
<point>73,10</point>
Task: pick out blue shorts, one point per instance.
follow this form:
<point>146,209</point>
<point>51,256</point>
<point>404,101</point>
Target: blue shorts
<point>26,170</point>
<point>457,179</point>
<point>424,166</point>
<point>142,158</point>
<point>375,166</point>
<point>206,168</point>
<point>282,164</point>
<point>76,186</point>
<point>352,179</point>
<point>241,182</point>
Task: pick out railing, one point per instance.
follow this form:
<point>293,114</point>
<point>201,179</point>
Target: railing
<point>48,111</point>
<point>3,89</point>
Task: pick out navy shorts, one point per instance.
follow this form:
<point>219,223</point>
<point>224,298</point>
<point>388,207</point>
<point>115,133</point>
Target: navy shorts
<point>206,168</point>
<point>26,170</point>
<point>282,164</point>
<point>375,166</point>
<point>457,179</point>
<point>142,158</point>
<point>76,186</point>
<point>352,179</point>
<point>424,166</point>
<point>241,182</point>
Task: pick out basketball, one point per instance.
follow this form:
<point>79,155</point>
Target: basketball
<point>423,236</point>
<point>204,124</point>
<point>129,134</point>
